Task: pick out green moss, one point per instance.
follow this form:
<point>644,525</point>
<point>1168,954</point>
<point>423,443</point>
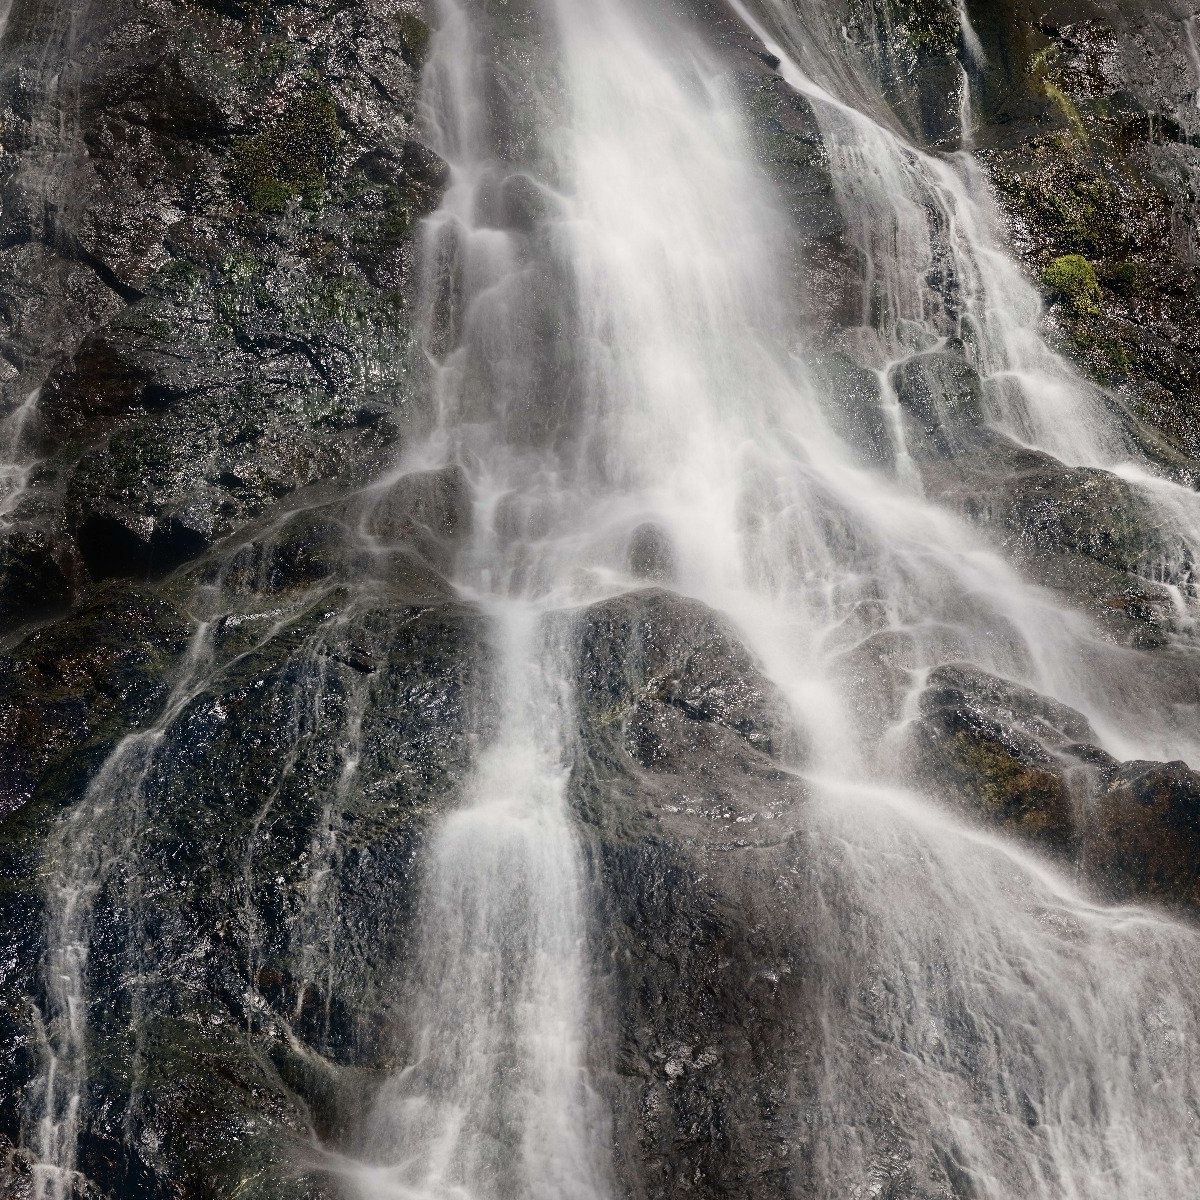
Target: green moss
<point>290,158</point>
<point>271,195</point>
<point>1073,204</point>
<point>178,274</point>
<point>1115,354</point>
<point>1073,279</point>
<point>415,34</point>
<point>1044,68</point>
<point>1067,107</point>
<point>1026,796</point>
<point>397,222</point>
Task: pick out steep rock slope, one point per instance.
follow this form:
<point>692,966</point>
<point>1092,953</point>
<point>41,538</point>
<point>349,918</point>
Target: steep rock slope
<point>234,696</point>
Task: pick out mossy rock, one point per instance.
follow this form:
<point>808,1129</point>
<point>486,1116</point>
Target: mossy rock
<point>291,158</point>
<point>415,34</point>
<point>998,752</point>
<point>1072,278</point>
<point>1030,799</point>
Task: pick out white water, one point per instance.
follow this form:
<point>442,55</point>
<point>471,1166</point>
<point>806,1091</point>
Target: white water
<point>1191,29</point>
<point>615,344</point>
<point>494,1098</point>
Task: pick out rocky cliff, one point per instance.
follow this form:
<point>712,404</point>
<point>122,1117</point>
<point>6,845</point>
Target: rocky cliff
<point>233,695</point>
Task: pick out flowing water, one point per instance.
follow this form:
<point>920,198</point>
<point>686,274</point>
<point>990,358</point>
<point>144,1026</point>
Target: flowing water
<point>1191,28</point>
<point>616,344</point>
<point>40,39</point>
<point>92,845</point>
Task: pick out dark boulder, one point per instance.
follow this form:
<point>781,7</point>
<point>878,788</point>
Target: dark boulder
<point>691,815</point>
<point>1001,753</point>
<point>1144,841</point>
<point>940,397</point>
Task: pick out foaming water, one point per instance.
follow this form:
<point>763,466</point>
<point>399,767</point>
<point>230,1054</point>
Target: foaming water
<point>614,348</point>
<point>988,1032</point>
<point>495,1100</point>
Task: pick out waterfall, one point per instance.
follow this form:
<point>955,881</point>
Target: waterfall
<point>615,343</point>
<point>1191,29</point>
<point>495,1100</point>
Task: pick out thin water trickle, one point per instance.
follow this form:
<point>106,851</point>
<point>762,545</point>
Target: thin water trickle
<point>1192,36</point>
<point>96,840</point>
<point>15,464</point>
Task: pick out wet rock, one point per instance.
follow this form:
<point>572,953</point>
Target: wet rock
<point>1088,126</point>
<point>34,582</point>
<point>1145,834</point>
<point>1088,534</point>
<point>257,883</point>
<point>428,512</point>
<point>999,752</point>
<point>206,284</point>
<point>211,310</point>
<point>919,54</point>
<point>70,688</point>
<point>668,679</point>
<point>1091,513</point>
<point>940,397</point>
<point>690,817</point>
<point>794,152</point>
<point>650,554</point>
<point>304,549</point>
<point>853,401</point>
<point>1030,767</point>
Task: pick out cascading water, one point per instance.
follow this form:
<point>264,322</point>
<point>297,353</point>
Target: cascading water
<point>495,1100</point>
<point>615,339</point>
<point>1192,35</point>
<point>912,213</point>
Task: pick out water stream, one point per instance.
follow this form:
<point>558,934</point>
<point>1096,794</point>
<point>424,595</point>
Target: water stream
<point>1192,36</point>
<point>614,332</point>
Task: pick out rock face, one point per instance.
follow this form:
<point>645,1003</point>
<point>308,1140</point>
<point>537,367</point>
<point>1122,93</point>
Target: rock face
<point>1004,753</point>
<point>1089,124</point>
<point>236,687</point>
<point>206,278</point>
<point>690,809</point>
<point>1146,838</point>
<point>206,271</point>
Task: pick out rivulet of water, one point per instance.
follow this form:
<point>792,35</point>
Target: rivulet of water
<point>15,464</point>
<point>97,838</point>
<point>1192,37</point>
